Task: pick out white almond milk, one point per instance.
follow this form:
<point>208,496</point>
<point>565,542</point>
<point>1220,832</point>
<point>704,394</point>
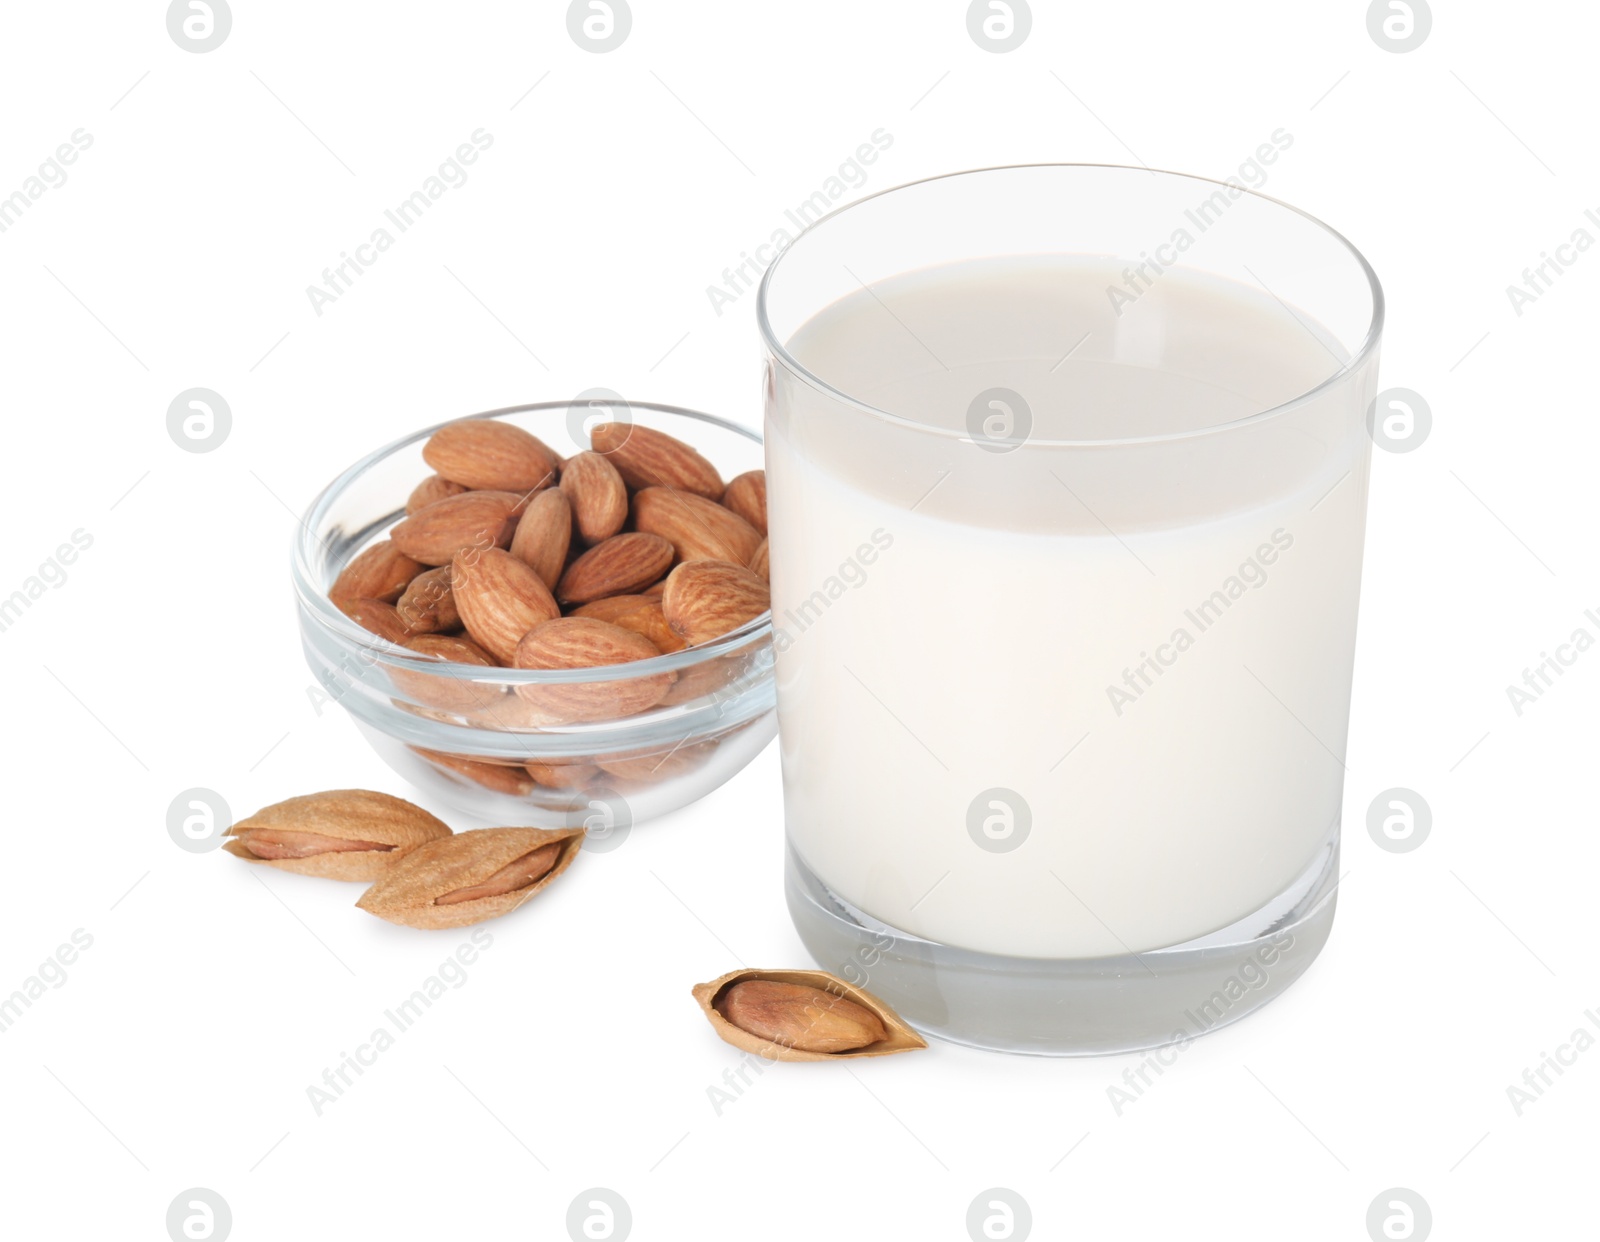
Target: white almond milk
<point>1131,648</point>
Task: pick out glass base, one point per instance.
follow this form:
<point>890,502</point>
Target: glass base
<point>1073,1006</point>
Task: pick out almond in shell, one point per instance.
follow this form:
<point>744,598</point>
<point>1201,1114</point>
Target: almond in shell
<point>472,876</point>
<point>802,1015</point>
<point>343,834</point>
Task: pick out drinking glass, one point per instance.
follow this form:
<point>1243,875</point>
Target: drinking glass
<point>1067,471</point>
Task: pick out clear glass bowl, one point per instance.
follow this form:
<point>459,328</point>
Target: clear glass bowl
<point>464,734</point>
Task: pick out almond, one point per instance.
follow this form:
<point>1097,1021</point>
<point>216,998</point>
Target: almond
<point>663,765</point>
<point>434,487</point>
<point>500,599</point>
<point>343,834</point>
<point>506,778</point>
<point>561,775</point>
<point>457,648</point>
<point>645,457</point>
<point>434,534</point>
<point>599,496</point>
<point>747,496</point>
<point>697,528</point>
<point>713,680</point>
<point>515,714</point>
<point>380,572</point>
<point>760,563</point>
<point>427,606</point>
<point>707,599</point>
<point>618,566</point>
<point>378,617</point>
<point>492,454</point>
<point>583,642</point>
<point>452,690</point>
<point>611,607</point>
<point>640,613</point>
<point>544,533</point>
<point>796,1015</point>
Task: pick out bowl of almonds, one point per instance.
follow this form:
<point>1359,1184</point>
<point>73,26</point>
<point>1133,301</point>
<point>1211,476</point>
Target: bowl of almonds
<point>546,617</point>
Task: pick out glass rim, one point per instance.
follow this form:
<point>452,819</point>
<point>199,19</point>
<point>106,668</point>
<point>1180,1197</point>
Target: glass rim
<point>1369,343</point>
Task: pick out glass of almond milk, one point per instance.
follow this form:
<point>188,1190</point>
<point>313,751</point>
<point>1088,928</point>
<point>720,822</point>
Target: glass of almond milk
<point>1067,479</point>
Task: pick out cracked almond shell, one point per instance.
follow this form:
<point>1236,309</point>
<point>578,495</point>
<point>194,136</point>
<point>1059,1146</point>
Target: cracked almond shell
<point>406,893</point>
<point>901,1038</point>
<point>346,815</point>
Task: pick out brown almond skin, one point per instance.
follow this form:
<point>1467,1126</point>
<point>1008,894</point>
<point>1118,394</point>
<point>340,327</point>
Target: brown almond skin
<point>797,1016</point>
<point>747,496</point>
<point>619,566</point>
<point>582,642</point>
<point>645,457</point>
<point>761,563</point>
<point>491,454</point>
<point>599,496</point>
<point>472,520</point>
<point>660,766</point>
<point>500,777</point>
<point>377,617</point>
<point>706,679</point>
<point>514,875</point>
<point>271,844</point>
<point>697,528</point>
<point>707,599</point>
<point>544,533</point>
<point>561,775</point>
<point>427,606</point>
<point>611,607</point>
<point>380,572</point>
<point>500,599</point>
<point>642,614</point>
<point>409,892</point>
<point>434,487</point>
<point>457,648</point>
<point>448,689</point>
<point>291,833</point>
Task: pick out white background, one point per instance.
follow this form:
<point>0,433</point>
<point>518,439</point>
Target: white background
<point>618,187</point>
